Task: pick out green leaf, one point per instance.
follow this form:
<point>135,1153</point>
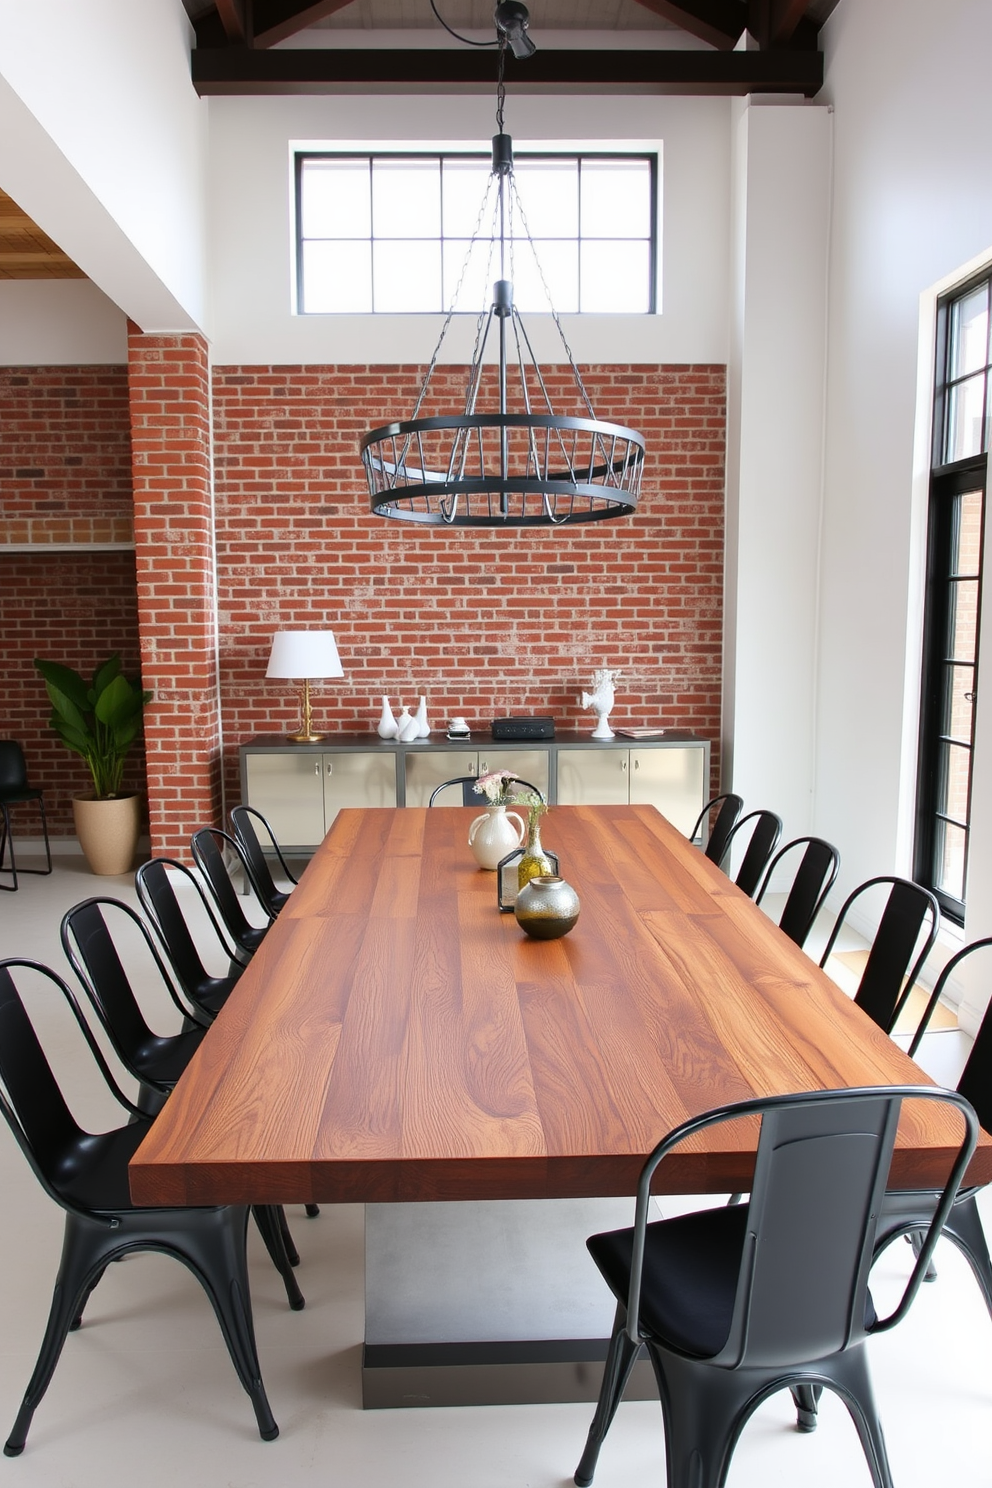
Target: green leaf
<point>105,673</point>
<point>115,704</point>
<point>69,683</point>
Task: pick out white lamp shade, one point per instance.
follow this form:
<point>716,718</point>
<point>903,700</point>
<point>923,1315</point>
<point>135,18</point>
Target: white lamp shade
<point>304,654</point>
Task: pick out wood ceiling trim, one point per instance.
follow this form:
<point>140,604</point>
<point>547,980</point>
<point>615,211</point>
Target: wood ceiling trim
<point>242,70</point>
<point>277,20</point>
<point>28,253</point>
<point>720,22</point>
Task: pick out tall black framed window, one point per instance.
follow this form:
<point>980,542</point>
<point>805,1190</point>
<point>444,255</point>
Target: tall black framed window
<point>958,483</point>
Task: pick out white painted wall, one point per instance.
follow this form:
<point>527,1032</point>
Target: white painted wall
<point>251,253</point>
<point>781,174</point>
<point>909,82</point>
<point>103,143</point>
<point>59,322</point>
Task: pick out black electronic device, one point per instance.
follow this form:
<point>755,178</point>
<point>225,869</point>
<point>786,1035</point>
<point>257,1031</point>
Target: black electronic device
<point>523,728</point>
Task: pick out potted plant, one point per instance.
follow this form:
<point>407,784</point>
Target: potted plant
<point>100,721</point>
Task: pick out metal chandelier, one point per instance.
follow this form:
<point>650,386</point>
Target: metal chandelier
<point>503,466</point>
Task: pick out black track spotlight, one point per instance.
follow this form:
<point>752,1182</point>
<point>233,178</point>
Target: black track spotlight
<point>512,21</point>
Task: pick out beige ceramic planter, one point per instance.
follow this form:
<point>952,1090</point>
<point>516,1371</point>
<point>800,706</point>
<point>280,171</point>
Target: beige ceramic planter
<point>108,831</point>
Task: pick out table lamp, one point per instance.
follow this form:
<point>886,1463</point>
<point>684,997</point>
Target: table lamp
<point>305,655</point>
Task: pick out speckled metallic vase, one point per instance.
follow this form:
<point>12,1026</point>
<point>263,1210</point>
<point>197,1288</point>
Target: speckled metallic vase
<point>547,907</point>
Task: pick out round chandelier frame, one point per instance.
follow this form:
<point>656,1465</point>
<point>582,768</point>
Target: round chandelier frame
<point>528,467</point>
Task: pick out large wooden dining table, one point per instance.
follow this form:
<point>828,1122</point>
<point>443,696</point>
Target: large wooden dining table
<point>397,1041</point>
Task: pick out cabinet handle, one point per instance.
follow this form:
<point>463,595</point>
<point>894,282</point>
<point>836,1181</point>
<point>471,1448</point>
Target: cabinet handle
<point>316,769</point>
<point>637,764</point>
<point>483,767</point>
<point>330,767</point>
<point>623,765</point>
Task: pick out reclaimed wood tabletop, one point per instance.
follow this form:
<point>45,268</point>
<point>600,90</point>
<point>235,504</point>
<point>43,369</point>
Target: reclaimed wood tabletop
<point>397,1038</point>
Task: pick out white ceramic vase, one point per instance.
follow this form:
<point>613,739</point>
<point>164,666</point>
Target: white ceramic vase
<point>387,723</point>
<point>406,727</point>
<point>423,727</point>
<point>494,834</point>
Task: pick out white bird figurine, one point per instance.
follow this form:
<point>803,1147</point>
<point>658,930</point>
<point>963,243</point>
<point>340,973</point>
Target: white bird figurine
<point>602,699</point>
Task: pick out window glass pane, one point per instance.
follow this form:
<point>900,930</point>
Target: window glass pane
<point>969,335</point>
<point>966,431</point>
<point>963,620</point>
<point>615,278</point>
<point>481,273</point>
<point>334,199</point>
<point>952,844</point>
<point>953,775</point>
<point>615,199</point>
<point>549,195</point>
<point>956,713</point>
<point>406,199</point>
<point>337,278</point>
<point>966,536</point>
<point>407,276</point>
<point>560,265</point>
<point>464,185</point>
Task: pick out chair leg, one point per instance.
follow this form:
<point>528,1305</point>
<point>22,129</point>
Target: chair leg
<point>964,1229</point>
<point>80,1269</point>
<point>266,1217</point>
<point>287,1237</point>
<point>807,1401</point>
<point>8,836</point>
<point>704,1411</point>
<point>215,1252</point>
<point>312,1210</point>
<point>616,1372</point>
<point>852,1382</point>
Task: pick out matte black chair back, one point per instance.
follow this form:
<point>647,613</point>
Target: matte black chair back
<point>813,880</point>
<point>87,1176</point>
<point>246,821</point>
<point>715,845</point>
<point>472,797</point>
<point>890,972</point>
<point>15,791</point>
<point>161,904</point>
<point>209,845</point>
<point>765,830</point>
<point>155,1060</point>
<point>735,1303</point>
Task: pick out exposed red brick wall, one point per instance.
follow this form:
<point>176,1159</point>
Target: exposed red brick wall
<point>173,524</point>
<point>65,455</point>
<point>77,608</point>
<point>484,622</point>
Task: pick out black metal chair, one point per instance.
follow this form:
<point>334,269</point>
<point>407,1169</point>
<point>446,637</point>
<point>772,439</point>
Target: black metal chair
<point>765,830</point>
<point>159,900</point>
<point>470,796</point>
<point>156,1061</point>
<point>890,972</point>
<point>715,845</point>
<point>15,791</point>
<point>812,882</point>
<point>209,845</point>
<point>246,820</point>
<point>87,1176</point>
<point>908,1212</point>
<point>734,1304</point>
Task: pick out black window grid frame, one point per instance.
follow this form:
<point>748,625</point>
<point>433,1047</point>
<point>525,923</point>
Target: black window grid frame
<point>650,158</point>
<point>949,480</point>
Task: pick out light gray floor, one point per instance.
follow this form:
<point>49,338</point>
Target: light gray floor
<point>145,1392</point>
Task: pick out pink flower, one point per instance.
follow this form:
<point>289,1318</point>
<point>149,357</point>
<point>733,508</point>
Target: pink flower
<point>496,786</point>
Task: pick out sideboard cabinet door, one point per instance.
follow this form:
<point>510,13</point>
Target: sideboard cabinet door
<point>593,777</point>
<point>352,779</point>
<point>672,780</point>
<point>288,790</point>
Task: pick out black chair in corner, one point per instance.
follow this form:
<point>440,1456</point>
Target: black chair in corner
<point>715,845</point>
<point>209,845</point>
<point>762,839</point>
<point>890,972</point>
<point>155,1060</point>
<point>206,990</point>
<point>908,1211</point>
<point>87,1176</point>
<point>470,796</point>
<point>813,879</point>
<point>15,791</point>
<point>722,1299</point>
<point>246,820</point>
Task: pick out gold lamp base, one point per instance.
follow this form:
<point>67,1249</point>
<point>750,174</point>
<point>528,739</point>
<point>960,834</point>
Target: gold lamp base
<point>305,734</point>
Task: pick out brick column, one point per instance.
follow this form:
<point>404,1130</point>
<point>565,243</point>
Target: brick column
<point>169,388</point>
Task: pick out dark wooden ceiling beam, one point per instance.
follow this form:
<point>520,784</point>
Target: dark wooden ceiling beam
<point>231,14</point>
<point>785,17</point>
<point>277,20</point>
<point>720,22</point>
<point>240,70</point>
